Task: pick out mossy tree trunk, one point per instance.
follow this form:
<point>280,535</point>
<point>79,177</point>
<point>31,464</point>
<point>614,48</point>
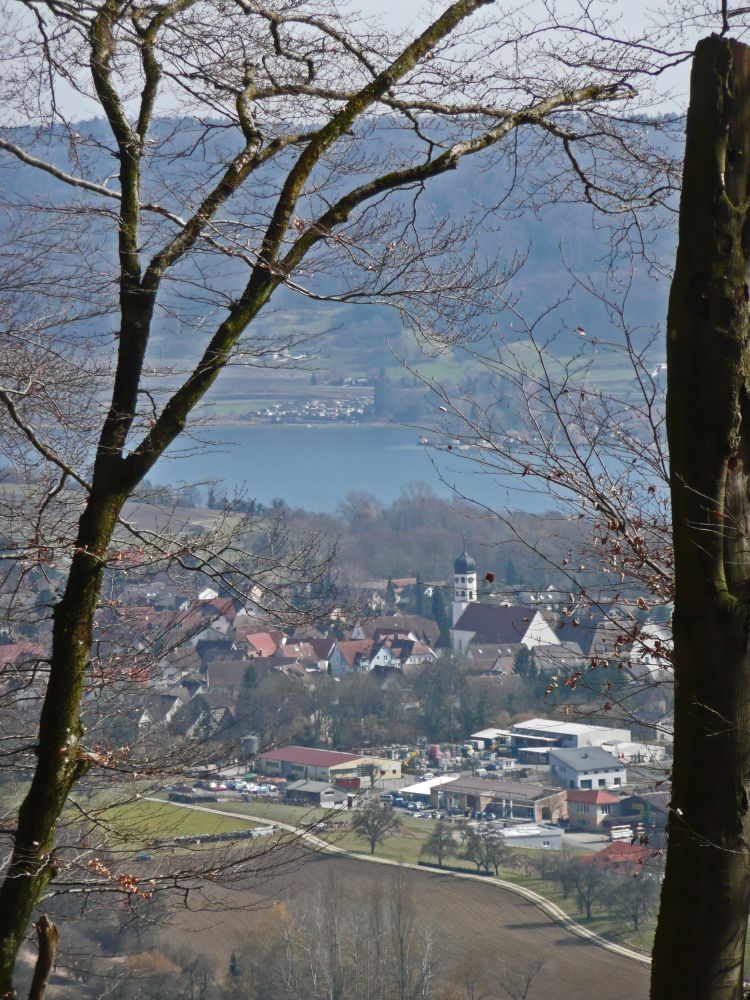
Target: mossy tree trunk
<point>700,940</point>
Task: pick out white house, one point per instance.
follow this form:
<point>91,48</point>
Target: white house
<point>587,767</point>
<point>392,651</point>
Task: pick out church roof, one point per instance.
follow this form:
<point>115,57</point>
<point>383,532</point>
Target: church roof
<point>496,623</point>
<point>465,563</point>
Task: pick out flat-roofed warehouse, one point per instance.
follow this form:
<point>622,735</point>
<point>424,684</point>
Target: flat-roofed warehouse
<point>564,734</point>
<point>506,799</point>
<point>326,765</point>
<point>421,791</point>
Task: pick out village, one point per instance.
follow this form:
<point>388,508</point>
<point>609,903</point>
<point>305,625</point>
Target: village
<point>209,671</point>
<point>349,407</point>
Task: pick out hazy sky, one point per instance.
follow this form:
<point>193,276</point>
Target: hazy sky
<point>411,13</point>
<point>401,15</point>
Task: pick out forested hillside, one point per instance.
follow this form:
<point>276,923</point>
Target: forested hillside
<point>550,255</point>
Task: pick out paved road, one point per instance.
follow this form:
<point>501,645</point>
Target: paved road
<point>547,906</point>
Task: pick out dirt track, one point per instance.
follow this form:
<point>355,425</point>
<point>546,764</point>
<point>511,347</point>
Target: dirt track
<point>481,922</point>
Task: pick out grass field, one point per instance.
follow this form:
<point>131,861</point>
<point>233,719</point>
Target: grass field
<point>142,824</point>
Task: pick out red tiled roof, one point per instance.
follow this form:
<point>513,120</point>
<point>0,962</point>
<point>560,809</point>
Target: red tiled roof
<point>623,857</point>
<point>310,756</point>
<point>597,797</point>
<point>264,642</point>
<point>391,633</point>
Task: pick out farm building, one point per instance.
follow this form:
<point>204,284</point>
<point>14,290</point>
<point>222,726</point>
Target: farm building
<point>315,793</point>
<point>327,765</point>
<point>571,735</point>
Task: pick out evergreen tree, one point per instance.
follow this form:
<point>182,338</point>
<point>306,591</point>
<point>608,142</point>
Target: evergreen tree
<point>421,600</point>
<point>523,661</point>
<point>234,966</point>
<point>440,614</point>
<point>511,574</point>
<point>390,595</point>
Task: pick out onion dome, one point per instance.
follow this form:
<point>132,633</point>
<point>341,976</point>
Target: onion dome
<point>465,563</point>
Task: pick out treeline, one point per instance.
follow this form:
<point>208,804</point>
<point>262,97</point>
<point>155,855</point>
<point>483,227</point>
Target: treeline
<point>442,701</point>
<point>423,533</point>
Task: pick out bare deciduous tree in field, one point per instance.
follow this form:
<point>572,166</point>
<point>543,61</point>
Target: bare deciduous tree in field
<point>161,227</point>
<point>374,824</point>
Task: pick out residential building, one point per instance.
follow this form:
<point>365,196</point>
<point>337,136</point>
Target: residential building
<point>226,675</point>
<point>589,809</point>
<point>392,651</point>
<point>424,630</point>
<point>586,768</point>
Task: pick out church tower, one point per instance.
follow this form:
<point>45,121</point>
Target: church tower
<point>464,583</point>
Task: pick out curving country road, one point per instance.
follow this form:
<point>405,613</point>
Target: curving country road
<point>635,983</point>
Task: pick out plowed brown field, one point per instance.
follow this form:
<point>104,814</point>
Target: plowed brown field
<point>475,922</point>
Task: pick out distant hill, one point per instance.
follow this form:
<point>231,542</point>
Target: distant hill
<point>564,240</point>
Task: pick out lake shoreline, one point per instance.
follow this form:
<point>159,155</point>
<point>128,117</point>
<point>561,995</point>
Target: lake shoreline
<point>317,466</point>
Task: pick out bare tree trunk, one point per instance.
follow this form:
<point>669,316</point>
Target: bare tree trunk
<point>700,939</point>
<point>60,763</point>
<point>47,937</point>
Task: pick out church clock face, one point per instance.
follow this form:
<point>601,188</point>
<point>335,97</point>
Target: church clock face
<point>464,583</point>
